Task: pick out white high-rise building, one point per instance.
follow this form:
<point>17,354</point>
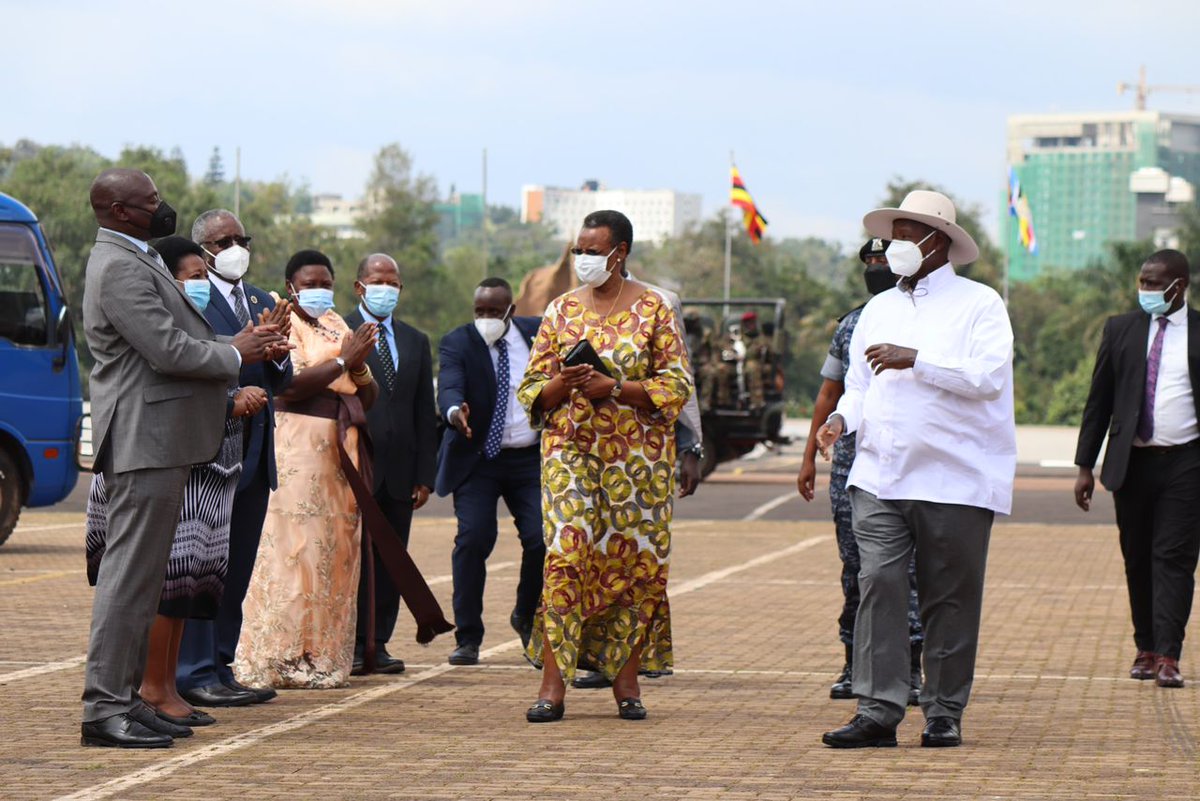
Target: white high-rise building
<point>655,213</point>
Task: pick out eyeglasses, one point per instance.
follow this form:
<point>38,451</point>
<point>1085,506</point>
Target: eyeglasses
<point>228,241</point>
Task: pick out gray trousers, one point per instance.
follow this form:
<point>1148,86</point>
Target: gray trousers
<point>143,513</point>
<point>951,542</point>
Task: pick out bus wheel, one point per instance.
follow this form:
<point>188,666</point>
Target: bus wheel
<point>12,494</point>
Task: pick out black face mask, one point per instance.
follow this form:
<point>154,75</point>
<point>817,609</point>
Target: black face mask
<point>162,220</point>
<point>879,278</point>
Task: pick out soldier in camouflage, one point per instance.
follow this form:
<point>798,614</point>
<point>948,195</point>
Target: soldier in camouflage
<point>878,279</point>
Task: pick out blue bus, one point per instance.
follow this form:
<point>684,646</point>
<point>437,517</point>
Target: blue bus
<point>41,401</point>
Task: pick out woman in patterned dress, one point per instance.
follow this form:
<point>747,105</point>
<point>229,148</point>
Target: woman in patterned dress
<point>195,575</point>
<point>608,473</point>
<point>299,612</point>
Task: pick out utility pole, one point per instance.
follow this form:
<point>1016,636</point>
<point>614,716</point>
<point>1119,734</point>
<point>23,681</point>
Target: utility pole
<point>486,243</point>
<point>237,182</point>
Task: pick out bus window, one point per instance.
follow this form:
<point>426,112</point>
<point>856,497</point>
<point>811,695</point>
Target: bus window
<point>22,298</point>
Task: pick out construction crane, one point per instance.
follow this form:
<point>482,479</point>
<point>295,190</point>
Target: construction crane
<point>1141,89</point>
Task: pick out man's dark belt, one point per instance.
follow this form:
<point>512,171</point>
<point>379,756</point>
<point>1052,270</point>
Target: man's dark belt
<point>1162,450</point>
<point>347,410</point>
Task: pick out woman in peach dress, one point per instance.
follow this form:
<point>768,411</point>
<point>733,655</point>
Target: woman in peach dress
<point>299,612</point>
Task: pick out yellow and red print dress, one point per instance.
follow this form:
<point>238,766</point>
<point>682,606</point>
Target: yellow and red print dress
<point>608,481</point>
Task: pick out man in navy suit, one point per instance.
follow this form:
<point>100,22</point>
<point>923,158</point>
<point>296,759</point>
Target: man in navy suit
<point>206,651</point>
<point>489,452</point>
<point>403,428</point>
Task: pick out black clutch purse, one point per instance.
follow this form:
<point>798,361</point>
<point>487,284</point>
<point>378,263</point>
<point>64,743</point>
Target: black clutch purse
<point>584,353</point>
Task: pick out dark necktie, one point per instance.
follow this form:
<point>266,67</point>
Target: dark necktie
<point>385,356</point>
<point>1145,429</point>
<point>495,435</point>
<point>239,306</point>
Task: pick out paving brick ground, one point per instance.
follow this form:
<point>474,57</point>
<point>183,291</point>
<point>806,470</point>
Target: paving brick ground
<point>754,609</point>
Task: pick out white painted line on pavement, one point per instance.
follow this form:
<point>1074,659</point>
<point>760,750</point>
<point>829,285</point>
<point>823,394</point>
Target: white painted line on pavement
<point>57,526</point>
<point>824,674</point>
<point>39,670</point>
<point>238,741</point>
<point>446,579</point>
<point>771,504</point>
<point>51,667</point>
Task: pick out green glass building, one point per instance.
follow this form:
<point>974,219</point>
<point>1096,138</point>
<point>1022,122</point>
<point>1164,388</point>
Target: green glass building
<point>1096,178</point>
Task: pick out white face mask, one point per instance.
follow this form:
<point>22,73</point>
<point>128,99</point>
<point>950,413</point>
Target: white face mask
<point>231,263</point>
<point>904,258</point>
<point>490,328</point>
<point>592,270</point>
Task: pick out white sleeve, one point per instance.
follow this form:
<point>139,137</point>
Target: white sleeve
<point>982,373</point>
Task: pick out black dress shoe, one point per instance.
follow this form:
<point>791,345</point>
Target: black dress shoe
<point>590,680</point>
<point>146,716</point>
<point>122,731</point>
<point>522,625</point>
<point>193,718</point>
<point>467,654</point>
<point>861,732</point>
<point>543,711</point>
<point>941,732</point>
<point>631,709</point>
<point>841,689</point>
<point>261,694</point>
<point>386,663</point>
<point>218,695</point>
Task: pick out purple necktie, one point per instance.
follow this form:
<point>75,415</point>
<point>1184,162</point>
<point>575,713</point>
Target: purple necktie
<point>1145,429</point>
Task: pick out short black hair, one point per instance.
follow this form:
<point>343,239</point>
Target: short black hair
<point>492,282</point>
<point>1175,262</point>
<point>174,248</point>
<point>304,258</point>
<point>618,226</point>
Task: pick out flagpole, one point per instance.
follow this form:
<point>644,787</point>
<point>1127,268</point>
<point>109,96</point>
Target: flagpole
<point>728,250</point>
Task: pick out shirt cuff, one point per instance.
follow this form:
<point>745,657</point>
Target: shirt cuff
<point>450,414</point>
<point>238,353</point>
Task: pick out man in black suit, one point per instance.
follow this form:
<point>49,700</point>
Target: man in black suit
<point>489,452</point>
<point>403,427</point>
<point>206,650</point>
<point>1146,395</point>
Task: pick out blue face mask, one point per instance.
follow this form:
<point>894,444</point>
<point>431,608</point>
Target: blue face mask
<point>197,289</point>
<point>315,302</point>
<point>1154,301</point>
<point>380,299</point>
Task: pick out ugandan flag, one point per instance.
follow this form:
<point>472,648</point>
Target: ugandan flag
<point>753,221</point>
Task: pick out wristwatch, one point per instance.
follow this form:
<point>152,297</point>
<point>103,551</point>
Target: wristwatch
<point>696,450</point>
<point>616,390</point>
<point>340,363</point>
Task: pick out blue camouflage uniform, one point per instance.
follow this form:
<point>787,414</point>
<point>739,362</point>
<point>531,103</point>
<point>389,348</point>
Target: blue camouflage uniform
<point>834,369</point>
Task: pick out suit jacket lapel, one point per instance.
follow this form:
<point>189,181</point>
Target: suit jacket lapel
<point>218,302</point>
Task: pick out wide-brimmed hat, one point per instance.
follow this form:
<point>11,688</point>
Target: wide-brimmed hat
<point>935,210</point>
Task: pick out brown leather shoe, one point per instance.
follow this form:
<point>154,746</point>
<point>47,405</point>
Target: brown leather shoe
<point>1167,672</point>
<point>1144,666</point>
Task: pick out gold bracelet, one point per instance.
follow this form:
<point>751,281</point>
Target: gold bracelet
<point>361,377</point>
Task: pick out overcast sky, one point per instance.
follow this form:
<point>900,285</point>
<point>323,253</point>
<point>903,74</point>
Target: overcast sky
<point>821,102</point>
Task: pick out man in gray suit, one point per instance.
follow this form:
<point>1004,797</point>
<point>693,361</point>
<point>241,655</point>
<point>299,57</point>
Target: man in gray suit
<point>158,407</point>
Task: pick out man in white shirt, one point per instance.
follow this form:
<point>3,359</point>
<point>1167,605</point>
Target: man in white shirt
<point>489,451</point>
<point>929,393</point>
<point>1144,396</point>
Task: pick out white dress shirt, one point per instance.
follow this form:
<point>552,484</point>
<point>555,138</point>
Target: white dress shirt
<point>385,325</point>
<point>226,290</point>
<point>942,431</point>
<point>517,431</point>
<point>1174,408</point>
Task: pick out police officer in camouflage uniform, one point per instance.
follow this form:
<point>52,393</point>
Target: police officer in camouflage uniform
<point>878,279</point>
